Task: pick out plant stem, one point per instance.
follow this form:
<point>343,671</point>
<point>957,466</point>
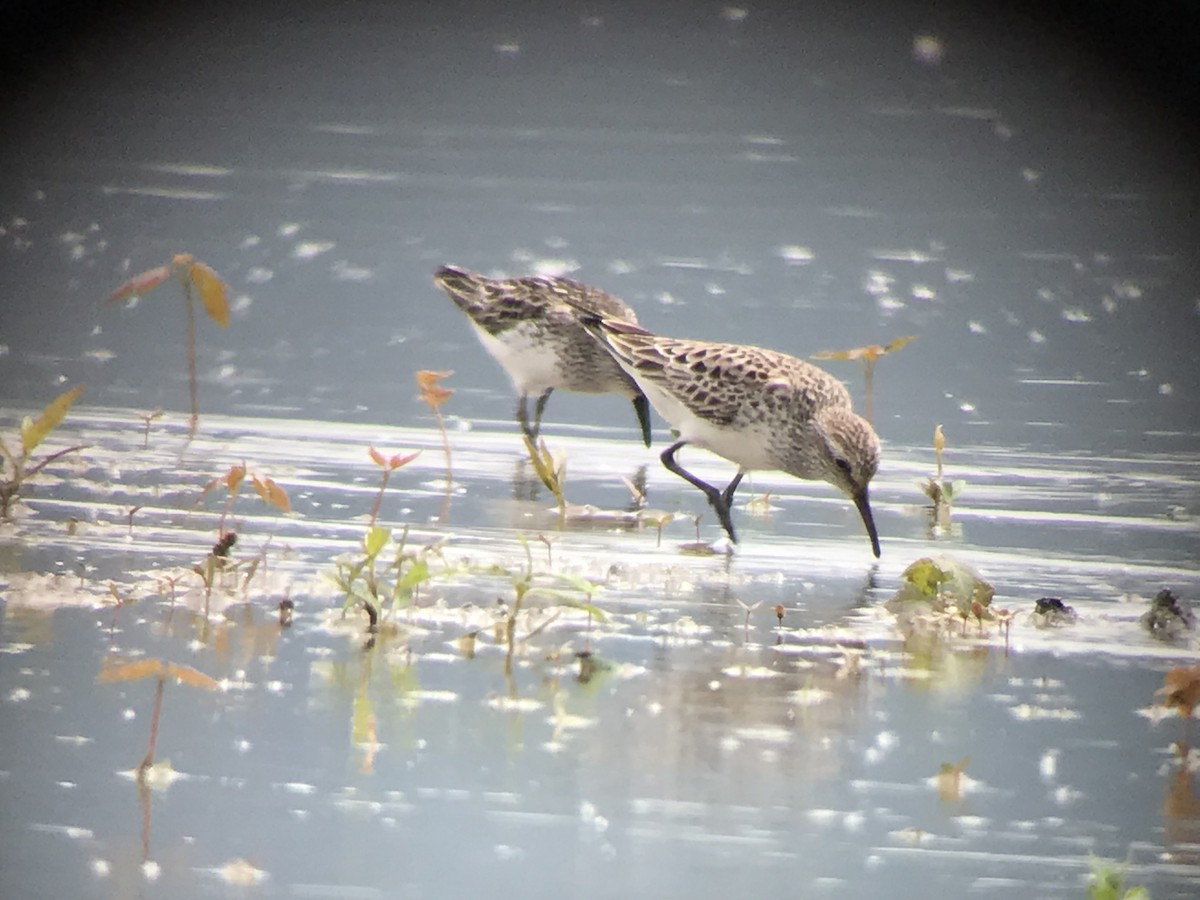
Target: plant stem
<point>379,498</point>
<point>148,759</point>
<point>444,513</point>
<point>191,356</point>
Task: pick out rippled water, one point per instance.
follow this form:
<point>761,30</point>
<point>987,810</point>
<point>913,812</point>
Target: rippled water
<point>706,735</point>
<point>801,181</point>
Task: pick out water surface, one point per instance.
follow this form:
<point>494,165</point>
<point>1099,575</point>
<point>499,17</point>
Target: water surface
<point>797,180</point>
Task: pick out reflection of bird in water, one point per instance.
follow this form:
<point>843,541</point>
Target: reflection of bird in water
<point>531,327</point>
<point>758,408</point>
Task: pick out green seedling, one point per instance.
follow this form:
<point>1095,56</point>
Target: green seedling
<point>160,671</point>
<point>18,467</point>
<point>868,356</point>
<point>147,418</point>
<point>118,603</point>
<point>387,465</point>
<point>637,494</point>
<point>697,547</point>
<point>360,578</point>
<point>759,505</point>
<point>561,592</point>
<point>197,280</point>
<point>1106,881</point>
<point>551,469</point>
<point>1004,619</point>
<point>941,492</point>
<point>748,608</point>
<point>658,518</point>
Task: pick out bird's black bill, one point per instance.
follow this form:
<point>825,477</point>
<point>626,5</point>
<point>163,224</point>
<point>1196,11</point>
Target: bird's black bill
<point>642,407</point>
<point>864,510</point>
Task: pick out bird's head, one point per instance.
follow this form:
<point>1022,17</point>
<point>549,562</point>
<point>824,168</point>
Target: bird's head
<point>849,458</point>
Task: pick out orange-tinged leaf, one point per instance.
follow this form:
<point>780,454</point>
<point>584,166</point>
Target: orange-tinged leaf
<point>33,433</point>
<point>271,493</point>
<point>437,396</point>
<point>1181,689</point>
<point>233,478</point>
<point>139,284</point>
<point>377,457</point>
<point>428,377</point>
<point>131,671</point>
<point>155,668</point>
<point>212,292</point>
<point>869,352</point>
<point>833,354</point>
<point>397,461</point>
<point>189,676</point>
<point>432,392</point>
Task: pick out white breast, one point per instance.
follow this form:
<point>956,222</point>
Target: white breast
<point>747,447</point>
<point>531,364</point>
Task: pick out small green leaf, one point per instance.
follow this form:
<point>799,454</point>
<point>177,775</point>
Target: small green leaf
<point>580,584</point>
<point>359,592</point>
<point>417,572</point>
<point>33,432</point>
<point>562,598</point>
<point>925,575</point>
<point>375,539</point>
<point>590,608</point>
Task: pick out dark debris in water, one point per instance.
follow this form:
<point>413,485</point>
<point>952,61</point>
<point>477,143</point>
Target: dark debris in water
<point>1168,617</point>
<point>225,544</point>
<point>1050,612</point>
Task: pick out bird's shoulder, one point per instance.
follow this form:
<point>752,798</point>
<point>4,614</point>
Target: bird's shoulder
<point>581,297</point>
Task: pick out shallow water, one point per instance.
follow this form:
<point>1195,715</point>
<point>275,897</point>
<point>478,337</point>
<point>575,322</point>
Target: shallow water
<point>1016,206</point>
<point>709,734</point>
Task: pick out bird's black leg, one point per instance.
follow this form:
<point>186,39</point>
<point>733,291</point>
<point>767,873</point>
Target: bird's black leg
<point>523,418</point>
<point>715,499</point>
<point>727,494</point>
<point>642,407</point>
<point>538,410</point>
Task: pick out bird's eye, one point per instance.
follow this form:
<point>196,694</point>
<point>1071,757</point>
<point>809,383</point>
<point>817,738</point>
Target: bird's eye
<point>842,464</point>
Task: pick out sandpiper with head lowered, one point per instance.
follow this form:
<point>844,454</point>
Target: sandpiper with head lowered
<point>758,408</point>
<point>531,326</point>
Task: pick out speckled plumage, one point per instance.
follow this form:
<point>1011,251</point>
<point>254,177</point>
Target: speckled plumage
<point>530,325</point>
<point>758,408</point>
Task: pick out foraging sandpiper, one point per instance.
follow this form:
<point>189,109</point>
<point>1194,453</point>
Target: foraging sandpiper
<point>531,327</point>
<point>758,408</point>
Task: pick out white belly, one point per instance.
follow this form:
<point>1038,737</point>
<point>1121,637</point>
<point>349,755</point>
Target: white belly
<point>749,448</point>
<point>532,366</point>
